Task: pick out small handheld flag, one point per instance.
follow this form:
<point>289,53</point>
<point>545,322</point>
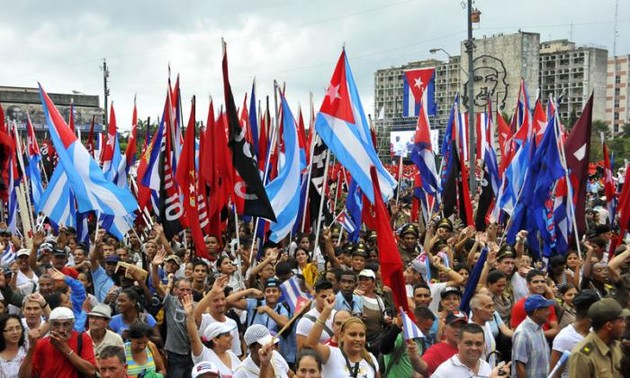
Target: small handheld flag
<point>410,329</point>
<point>344,220</point>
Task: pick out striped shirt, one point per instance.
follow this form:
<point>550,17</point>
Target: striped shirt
<point>530,347</point>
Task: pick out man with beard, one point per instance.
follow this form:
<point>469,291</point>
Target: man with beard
<point>65,353</point>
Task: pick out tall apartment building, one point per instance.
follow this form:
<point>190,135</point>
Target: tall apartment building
<point>618,93</point>
<point>573,73</point>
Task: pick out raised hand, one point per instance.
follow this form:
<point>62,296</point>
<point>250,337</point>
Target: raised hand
<point>56,275</point>
<point>39,237</point>
<point>187,302</point>
<point>220,283</point>
<point>159,258</point>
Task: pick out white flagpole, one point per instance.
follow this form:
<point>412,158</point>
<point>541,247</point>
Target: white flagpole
<point>308,180</point>
<point>400,170</point>
<point>321,202</point>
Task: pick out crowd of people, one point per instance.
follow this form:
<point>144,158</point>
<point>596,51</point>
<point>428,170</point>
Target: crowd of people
<point>148,307</point>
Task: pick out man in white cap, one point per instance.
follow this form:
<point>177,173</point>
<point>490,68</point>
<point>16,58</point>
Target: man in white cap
<point>205,370</point>
<point>64,353</point>
<point>99,318</point>
<point>256,337</point>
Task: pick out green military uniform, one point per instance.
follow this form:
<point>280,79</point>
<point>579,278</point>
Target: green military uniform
<point>592,358</point>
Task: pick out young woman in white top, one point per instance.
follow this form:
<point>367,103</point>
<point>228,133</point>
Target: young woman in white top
<point>351,359</point>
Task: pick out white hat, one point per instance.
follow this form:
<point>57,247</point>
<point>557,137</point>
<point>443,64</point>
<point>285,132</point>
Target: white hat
<point>61,313</point>
<point>23,252</point>
<point>204,367</point>
<point>368,273</point>
<point>215,329</point>
<point>258,333</point>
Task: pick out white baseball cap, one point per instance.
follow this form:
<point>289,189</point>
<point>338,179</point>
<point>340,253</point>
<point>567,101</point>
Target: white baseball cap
<point>204,367</point>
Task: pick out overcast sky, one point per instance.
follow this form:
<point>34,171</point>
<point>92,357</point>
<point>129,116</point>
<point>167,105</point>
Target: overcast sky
<point>62,43</point>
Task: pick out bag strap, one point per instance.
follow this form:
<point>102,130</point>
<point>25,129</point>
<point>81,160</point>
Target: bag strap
<point>395,358</point>
<point>324,326</point>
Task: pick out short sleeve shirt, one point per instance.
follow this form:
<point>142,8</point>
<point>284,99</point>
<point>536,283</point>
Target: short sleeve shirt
<point>48,361</point>
<point>337,366</point>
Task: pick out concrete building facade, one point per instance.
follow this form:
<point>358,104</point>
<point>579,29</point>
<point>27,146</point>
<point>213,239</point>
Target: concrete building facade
<point>618,93</point>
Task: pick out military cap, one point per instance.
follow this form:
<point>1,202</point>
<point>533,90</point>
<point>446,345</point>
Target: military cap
<point>445,223</point>
<point>506,251</point>
<point>606,310</point>
<point>409,228</point>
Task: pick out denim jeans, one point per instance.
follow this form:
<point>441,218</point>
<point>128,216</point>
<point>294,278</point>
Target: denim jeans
<point>179,365</point>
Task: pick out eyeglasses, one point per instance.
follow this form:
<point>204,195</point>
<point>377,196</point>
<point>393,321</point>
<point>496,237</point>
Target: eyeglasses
<point>11,330</point>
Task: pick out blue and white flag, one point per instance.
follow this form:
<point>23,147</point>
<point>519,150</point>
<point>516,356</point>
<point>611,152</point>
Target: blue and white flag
<point>284,190</point>
<point>292,294</point>
<point>344,220</point>
<point>342,125</point>
<point>419,91</point>
<point>57,201</point>
<point>410,329</point>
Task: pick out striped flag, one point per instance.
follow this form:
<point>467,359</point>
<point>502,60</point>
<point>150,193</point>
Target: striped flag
<point>410,329</point>
<point>344,220</point>
<point>293,295</point>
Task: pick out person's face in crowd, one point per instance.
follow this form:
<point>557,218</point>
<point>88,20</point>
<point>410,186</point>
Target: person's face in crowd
<point>268,272</point>
<point>212,244</point>
<point>301,257</point>
<point>134,242</point>
<point>272,295</point>
<point>353,337</point>
<point>485,312</point>
<point>226,267</point>
<point>537,285</point>
<point>62,328</point>
<point>506,265</point>
<point>425,325</point>
<point>79,256</point>
<point>217,304</point>
<point>464,273</point>
<point>618,328</point>
<point>200,272</point>
<point>572,260</point>
<point>347,284</point>
<point>492,230</point>
<point>111,367</point>
<point>46,286</point>
<point>188,271</point>
<point>23,262</point>
<point>224,341</point>
<point>358,263</point>
<point>422,297</point>
<point>451,332</point>
<point>525,262</point>
<point>308,368</point>
<point>170,266</point>
<point>140,344</point>
<point>122,254</point>
<point>124,304</point>
<point>71,244</point>
<point>97,323</point>
<point>596,217</point>
<point>346,258</point>
<point>322,296</point>
<point>600,272</point>
<point>366,284</point>
<point>83,278</point>
<point>558,269</point>
<point>498,287</point>
<point>569,295</point>
<point>410,241</point>
<point>330,277</point>
<point>182,289</point>
<point>33,312</point>
<point>451,302</point>
<point>110,268</point>
<point>541,315</point>
<point>12,331</point>
<point>304,243</point>
<point>475,258</point>
<point>443,233</point>
<point>470,347</point>
<point>338,320</point>
<point>59,261</point>
<point>108,250</point>
<point>151,249</point>
<point>373,255</point>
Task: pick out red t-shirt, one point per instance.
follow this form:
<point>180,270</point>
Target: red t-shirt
<point>519,314</point>
<point>437,354</point>
<point>48,361</point>
<point>70,272</point>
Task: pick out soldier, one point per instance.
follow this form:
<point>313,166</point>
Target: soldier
<point>408,245</point>
<point>599,354</point>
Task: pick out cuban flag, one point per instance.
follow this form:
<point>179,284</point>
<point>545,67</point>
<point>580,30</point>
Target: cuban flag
<point>111,157</point>
<point>295,298</point>
<point>410,329</point>
<point>284,190</point>
<point>90,187</point>
<point>344,220</point>
<point>419,91</point>
<point>422,155</point>
<point>33,159</point>
<point>342,125</point>
<point>57,202</point>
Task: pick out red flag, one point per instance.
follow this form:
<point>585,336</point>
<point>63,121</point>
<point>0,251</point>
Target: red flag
<point>540,122</point>
<point>577,147</point>
<point>302,135</point>
<point>624,206</point>
<point>90,140</point>
<point>609,183</point>
<point>132,149</point>
<point>389,258</point>
<point>107,154</point>
<point>505,143</point>
<point>187,178</point>
<point>337,100</point>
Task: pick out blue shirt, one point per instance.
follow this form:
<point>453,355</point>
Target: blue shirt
<point>355,306</point>
<point>530,347</point>
<point>102,283</point>
<point>119,326</point>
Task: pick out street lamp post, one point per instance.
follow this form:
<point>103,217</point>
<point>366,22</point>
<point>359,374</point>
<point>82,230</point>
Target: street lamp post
<point>471,103</point>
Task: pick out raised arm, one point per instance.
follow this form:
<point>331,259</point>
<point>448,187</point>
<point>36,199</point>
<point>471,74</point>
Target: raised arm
<point>191,326</point>
<point>239,299</point>
<point>155,275</point>
<point>38,239</point>
<point>312,340</point>
<point>219,285</point>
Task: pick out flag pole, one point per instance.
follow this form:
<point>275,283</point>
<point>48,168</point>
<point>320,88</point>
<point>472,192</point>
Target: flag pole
<point>511,220</point>
<point>321,201</point>
<point>308,180</point>
<point>400,170</point>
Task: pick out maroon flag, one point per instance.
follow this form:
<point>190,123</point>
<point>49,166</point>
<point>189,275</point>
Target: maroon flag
<point>577,149</point>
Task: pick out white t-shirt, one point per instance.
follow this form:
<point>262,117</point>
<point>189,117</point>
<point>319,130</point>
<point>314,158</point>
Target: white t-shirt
<point>336,366</point>
<point>305,325</point>
<point>209,355</point>
<point>453,368</point>
<point>566,339</point>
<point>207,319</point>
<point>436,291</point>
<point>248,369</point>
<point>519,284</point>
<point>26,285</point>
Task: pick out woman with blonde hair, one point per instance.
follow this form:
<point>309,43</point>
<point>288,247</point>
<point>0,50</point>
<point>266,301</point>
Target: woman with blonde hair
<point>351,358</point>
